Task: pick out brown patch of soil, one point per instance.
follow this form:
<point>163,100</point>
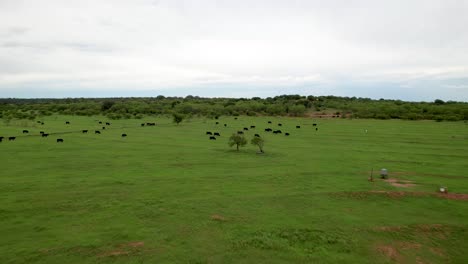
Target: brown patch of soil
<point>113,253</point>
<point>123,249</point>
<point>437,251</point>
<point>400,183</point>
<point>390,252</point>
<point>454,196</point>
<point>408,245</point>
<point>218,218</point>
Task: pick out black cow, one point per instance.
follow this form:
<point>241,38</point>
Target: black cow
<point>298,126</point>
<point>257,135</point>
<point>209,133</point>
<point>67,123</point>
<point>268,129</point>
<point>212,138</point>
<point>38,122</point>
<point>97,132</point>
<point>314,124</point>
<point>245,128</point>
<point>286,134</point>
<point>279,124</point>
<point>240,132</point>
<point>100,122</point>
<point>1,138</point>
<point>45,135</point>
<point>59,140</point>
<point>277,131</point>
<point>269,122</point>
<point>84,131</point>
<point>225,125</point>
<point>217,122</point>
<point>252,126</point>
<point>42,132</point>
<point>143,124</point>
<point>235,118</point>
<point>107,124</point>
<point>25,131</point>
<point>103,127</point>
<point>42,123</point>
<point>11,138</point>
<point>216,134</point>
<point>316,129</point>
<point>124,135</point>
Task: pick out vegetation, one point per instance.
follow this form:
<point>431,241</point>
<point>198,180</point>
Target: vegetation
<point>237,140</point>
<point>284,105</point>
<point>177,118</point>
<point>259,142</point>
<point>167,194</point>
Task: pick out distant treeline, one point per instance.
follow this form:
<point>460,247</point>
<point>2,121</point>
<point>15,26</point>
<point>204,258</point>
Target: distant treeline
<point>284,105</point>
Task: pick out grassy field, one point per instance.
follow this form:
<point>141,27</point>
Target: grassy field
<point>167,194</point>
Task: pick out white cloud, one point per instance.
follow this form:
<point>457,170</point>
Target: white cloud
<point>334,45</point>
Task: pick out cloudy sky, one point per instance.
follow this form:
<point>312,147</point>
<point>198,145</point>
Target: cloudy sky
<point>398,49</point>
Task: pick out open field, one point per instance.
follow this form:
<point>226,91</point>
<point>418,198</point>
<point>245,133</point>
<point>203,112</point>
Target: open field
<point>167,194</point>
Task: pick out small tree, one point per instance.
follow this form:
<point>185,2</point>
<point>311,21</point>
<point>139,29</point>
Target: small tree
<point>238,140</point>
<point>259,142</point>
<point>177,118</point>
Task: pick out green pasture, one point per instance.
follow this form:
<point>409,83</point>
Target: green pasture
<point>168,194</point>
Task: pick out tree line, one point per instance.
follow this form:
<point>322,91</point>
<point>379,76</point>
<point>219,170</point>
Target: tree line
<point>283,105</point>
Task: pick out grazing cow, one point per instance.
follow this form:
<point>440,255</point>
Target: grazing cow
<point>286,134</point>
<point>143,124</point>
<point>257,135</point>
<point>268,130</point>
<point>38,122</point>
<point>103,127</point>
<point>124,135</point>
<point>269,122</point>
<point>107,124</point>
<point>277,132</point>
<point>240,132</point>
<point>314,124</point>
<point>298,126</point>
<point>25,131</point>
<point>100,122</point>
<point>84,131</point>
<point>42,132</point>
<point>225,125</point>
<point>45,135</point>
<point>245,128</point>
<point>252,126</point>
<point>59,140</point>
<point>42,123</point>
<point>67,123</point>
<point>279,124</point>
<point>209,133</point>
<point>216,134</point>
<point>217,122</point>
<point>212,138</point>
<point>11,138</point>
<point>1,138</point>
<point>235,118</point>
<point>316,129</point>
<point>97,132</point>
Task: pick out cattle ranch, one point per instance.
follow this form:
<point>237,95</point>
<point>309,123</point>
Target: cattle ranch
<point>166,193</point>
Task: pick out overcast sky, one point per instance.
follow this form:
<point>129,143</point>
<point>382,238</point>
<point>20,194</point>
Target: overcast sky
<point>398,49</point>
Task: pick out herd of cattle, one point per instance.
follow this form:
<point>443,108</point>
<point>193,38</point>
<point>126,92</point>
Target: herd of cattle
<point>212,135</point>
<point>241,132</point>
<point>60,140</point>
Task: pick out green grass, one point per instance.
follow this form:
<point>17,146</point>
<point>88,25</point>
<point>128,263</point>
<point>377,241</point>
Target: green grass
<point>167,194</point>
